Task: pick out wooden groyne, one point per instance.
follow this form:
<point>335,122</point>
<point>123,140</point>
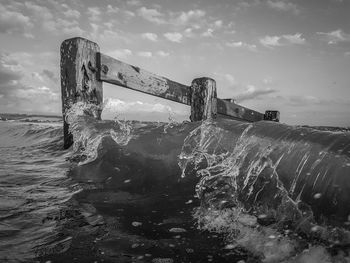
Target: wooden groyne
<point>84,69</point>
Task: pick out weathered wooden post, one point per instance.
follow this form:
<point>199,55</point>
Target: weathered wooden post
<point>79,78</point>
<point>203,99</point>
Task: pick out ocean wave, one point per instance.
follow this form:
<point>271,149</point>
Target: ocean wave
<point>278,193</point>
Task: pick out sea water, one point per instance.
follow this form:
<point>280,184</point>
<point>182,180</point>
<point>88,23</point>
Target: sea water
<point>214,191</point>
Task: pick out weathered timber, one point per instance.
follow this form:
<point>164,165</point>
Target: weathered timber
<point>272,115</point>
<point>116,72</point>
<point>203,99</point>
<point>239,112</point>
<point>78,78</point>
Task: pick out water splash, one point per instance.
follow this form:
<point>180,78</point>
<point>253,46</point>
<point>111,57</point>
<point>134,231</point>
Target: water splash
<point>241,181</point>
<point>123,134</point>
<point>88,132</point>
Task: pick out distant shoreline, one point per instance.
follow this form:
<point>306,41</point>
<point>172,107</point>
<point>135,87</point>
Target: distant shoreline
<point>27,117</point>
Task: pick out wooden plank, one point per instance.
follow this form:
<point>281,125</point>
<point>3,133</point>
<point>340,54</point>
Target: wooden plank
<point>203,99</point>
<point>117,72</point>
<point>78,78</point>
<point>237,111</point>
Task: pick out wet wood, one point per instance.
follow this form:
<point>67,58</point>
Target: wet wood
<point>272,115</point>
<point>235,111</point>
<point>203,99</point>
<point>117,72</point>
<point>78,78</point>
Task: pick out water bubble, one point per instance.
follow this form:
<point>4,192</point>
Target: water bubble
<point>135,245</point>
<point>189,250</point>
<point>162,260</point>
<point>315,228</point>
<point>317,196</point>
<point>262,216</point>
<point>230,246</point>
<point>177,230</point>
<point>136,224</point>
<point>127,181</point>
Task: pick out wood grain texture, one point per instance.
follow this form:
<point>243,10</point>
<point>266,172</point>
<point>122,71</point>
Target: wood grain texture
<point>117,72</point>
<point>239,112</point>
<point>203,99</point>
<point>78,78</point>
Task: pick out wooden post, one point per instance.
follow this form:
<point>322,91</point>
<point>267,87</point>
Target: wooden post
<point>272,115</point>
<point>203,99</point>
<point>78,78</point>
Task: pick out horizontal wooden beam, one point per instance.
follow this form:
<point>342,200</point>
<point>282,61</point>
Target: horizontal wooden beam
<point>113,71</point>
<point>237,111</point>
<point>116,72</point>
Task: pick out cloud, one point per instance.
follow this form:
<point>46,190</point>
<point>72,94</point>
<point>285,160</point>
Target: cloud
<point>230,79</point>
<point>133,2</point>
<point>283,6</point>
<point>184,18</point>
<point>295,39</point>
<point>71,13</point>
<point>112,9</point>
<point>151,15</point>
<point>243,45</point>
<point>150,36</point>
<point>128,13</point>
<point>40,13</point>
<point>8,73</point>
<point>138,110</point>
<point>53,24</point>
<point>162,53</point>
<point>335,36</point>
<point>94,14</point>
<point>50,75</point>
<point>120,53</point>
<point>174,37</point>
<point>145,54</point>
<point>303,100</point>
<point>15,96</point>
<point>208,33</point>
<point>275,41</point>
<point>189,32</point>
<point>12,21</point>
<point>251,92</point>
<point>270,41</point>
<point>218,23</point>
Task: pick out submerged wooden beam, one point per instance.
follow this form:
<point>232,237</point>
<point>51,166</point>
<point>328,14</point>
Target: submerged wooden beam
<point>116,72</point>
<point>203,99</point>
<point>239,112</point>
<point>78,79</point>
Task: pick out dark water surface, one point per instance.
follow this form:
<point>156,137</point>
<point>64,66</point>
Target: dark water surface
<point>151,192</point>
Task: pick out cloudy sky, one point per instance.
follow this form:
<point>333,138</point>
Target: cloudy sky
<point>290,55</point>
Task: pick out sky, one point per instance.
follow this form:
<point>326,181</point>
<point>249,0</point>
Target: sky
<point>286,55</point>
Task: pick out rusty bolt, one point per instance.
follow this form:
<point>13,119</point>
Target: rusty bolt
<point>104,69</point>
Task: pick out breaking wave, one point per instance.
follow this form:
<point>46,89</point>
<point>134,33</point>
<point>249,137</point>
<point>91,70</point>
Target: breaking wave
<point>129,191</point>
